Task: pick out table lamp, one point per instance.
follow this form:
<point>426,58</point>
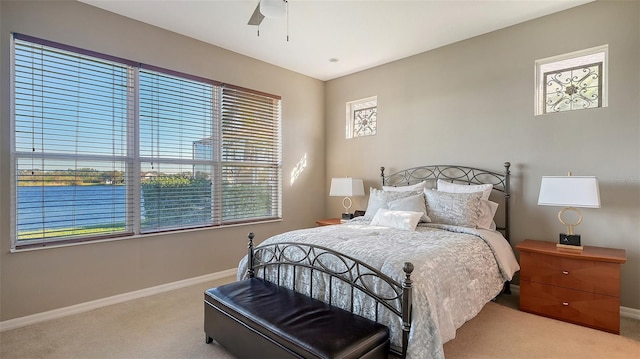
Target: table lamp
<point>569,192</point>
<point>346,187</point>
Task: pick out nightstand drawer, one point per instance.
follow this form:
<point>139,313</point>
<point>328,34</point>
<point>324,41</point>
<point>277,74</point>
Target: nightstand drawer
<point>586,275</point>
<point>589,309</point>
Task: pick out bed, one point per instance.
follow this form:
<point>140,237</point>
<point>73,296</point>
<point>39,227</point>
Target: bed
<point>430,216</point>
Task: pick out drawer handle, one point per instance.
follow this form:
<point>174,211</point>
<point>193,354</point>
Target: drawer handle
<point>565,272</point>
<point>566,304</point>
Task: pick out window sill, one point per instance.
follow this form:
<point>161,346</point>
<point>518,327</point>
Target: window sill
<point>138,236</point>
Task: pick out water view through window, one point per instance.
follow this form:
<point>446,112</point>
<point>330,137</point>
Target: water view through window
<point>70,207</point>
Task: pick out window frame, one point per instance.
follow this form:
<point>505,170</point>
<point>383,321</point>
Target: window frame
<point>563,63</point>
<point>133,159</point>
<point>352,107</point>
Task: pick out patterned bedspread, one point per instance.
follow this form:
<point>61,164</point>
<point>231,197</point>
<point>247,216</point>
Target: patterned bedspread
<point>456,273</point>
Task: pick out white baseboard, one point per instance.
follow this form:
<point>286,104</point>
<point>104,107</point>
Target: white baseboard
<point>99,303</point>
<point>624,311</point>
<point>630,313</point>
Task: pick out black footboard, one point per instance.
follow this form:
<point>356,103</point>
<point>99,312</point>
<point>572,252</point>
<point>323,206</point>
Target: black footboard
<point>327,267</point>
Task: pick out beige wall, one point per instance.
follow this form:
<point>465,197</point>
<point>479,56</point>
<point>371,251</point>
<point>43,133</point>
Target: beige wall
<point>42,280</point>
<point>468,103</point>
<point>472,103</point>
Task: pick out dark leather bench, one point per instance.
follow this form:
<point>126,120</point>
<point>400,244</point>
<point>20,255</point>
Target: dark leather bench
<point>255,318</point>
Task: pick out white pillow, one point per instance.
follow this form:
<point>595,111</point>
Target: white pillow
<point>405,220</point>
<point>445,186</point>
<point>412,203</point>
<point>380,199</point>
<point>487,212</point>
<point>418,188</point>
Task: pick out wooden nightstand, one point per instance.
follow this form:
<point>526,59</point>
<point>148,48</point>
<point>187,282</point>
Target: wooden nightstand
<point>328,221</point>
<point>581,287</point>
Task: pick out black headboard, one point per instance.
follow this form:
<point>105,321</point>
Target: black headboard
<point>456,174</point>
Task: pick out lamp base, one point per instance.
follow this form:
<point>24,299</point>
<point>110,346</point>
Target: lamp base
<point>347,216</point>
<point>569,239</point>
<point>569,248</point>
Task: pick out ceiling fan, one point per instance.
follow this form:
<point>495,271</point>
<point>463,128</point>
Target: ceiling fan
<point>268,8</point>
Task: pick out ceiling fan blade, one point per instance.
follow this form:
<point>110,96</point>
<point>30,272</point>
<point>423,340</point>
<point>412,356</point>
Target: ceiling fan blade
<point>256,17</point>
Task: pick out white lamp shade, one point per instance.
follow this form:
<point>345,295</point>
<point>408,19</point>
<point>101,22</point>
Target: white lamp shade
<point>569,191</point>
<point>273,8</point>
<point>346,187</point>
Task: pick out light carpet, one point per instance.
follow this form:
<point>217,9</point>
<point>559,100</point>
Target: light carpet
<point>170,325</point>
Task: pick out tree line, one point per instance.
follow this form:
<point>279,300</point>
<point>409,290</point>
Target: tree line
<point>91,176</point>
<point>69,177</point>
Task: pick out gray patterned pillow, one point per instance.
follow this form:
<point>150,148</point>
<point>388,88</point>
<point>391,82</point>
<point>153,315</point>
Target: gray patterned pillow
<point>414,203</point>
<point>380,199</point>
<point>458,209</point>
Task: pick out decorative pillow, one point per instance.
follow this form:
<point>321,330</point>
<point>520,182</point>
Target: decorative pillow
<point>487,212</point>
<point>418,188</point>
<point>405,220</point>
<point>412,203</point>
<point>458,209</point>
<point>445,186</point>
<point>380,199</point>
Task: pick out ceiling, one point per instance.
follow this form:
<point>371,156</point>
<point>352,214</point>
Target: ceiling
<point>329,39</point>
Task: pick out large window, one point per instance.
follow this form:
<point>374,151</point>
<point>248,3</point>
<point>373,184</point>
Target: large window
<point>105,147</point>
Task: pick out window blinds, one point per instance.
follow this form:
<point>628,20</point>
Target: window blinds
<point>108,147</point>
<point>251,163</point>
<point>70,144</point>
<point>176,152</point>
